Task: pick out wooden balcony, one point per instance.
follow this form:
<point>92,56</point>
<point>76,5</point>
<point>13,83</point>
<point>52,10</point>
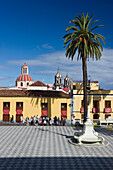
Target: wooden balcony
<point>107,110</point>
<point>95,110</point>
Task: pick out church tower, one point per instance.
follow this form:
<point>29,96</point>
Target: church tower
<point>67,82</point>
<point>58,80</point>
<point>24,80</point>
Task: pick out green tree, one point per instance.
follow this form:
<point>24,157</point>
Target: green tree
<point>87,44</point>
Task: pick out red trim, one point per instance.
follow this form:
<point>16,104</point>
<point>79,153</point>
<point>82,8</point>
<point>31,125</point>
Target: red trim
<point>95,110</point>
<point>24,65</point>
<point>6,112</point>
<point>26,77</point>
<point>44,112</point>
<point>64,113</point>
<point>19,112</point>
<point>82,109</point>
<point>65,89</point>
<point>107,110</point>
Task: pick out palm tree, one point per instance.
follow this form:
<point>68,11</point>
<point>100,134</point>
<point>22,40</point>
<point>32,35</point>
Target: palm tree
<point>87,44</point>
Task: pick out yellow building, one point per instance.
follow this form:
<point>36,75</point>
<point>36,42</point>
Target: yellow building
<point>100,101</point>
<point>34,102</point>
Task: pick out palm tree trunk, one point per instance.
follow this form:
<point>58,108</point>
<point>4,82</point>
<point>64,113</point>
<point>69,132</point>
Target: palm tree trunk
<point>84,65</point>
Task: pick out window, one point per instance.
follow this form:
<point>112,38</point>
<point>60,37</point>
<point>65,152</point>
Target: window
<point>74,87</point>
<point>96,104</point>
<point>63,109</point>
<point>82,103</point>
<point>27,84</point>
<point>44,106</point>
<point>44,109</point>
<point>21,84</point>
<point>64,106</point>
<point>82,116</point>
<point>24,70</point>
<point>6,105</point>
<point>57,80</point>
<point>107,115</point>
<point>19,105</point>
<point>96,116</point>
<point>108,104</point>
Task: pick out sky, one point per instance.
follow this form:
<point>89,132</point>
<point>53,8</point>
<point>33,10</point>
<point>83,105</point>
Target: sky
<point>31,32</point>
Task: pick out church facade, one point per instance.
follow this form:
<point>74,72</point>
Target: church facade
<point>29,98</point>
<point>28,103</point>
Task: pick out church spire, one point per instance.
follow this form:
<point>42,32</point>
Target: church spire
<point>58,80</point>
<point>67,82</point>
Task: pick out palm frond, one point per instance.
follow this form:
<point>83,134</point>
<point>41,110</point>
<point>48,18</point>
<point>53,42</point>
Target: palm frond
<point>82,39</point>
<point>96,27</point>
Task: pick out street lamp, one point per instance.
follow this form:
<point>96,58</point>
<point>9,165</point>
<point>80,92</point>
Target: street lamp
<point>88,91</point>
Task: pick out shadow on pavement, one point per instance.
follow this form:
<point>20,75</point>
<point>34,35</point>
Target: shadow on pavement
<point>54,132</point>
<point>49,163</point>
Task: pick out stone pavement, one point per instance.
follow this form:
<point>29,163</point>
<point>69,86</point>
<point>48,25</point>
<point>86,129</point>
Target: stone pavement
<point>45,147</point>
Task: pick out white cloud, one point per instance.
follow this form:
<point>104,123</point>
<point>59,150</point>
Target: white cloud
<point>47,46</point>
<point>5,78</point>
<point>3,67</point>
<point>100,70</point>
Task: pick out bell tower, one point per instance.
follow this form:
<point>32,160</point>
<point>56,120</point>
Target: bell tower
<point>67,82</point>
<point>58,80</point>
<point>24,69</point>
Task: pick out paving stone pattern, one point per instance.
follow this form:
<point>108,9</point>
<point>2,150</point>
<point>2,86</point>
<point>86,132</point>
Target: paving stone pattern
<point>47,147</point>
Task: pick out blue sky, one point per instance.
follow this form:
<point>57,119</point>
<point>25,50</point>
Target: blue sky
<point>31,32</point>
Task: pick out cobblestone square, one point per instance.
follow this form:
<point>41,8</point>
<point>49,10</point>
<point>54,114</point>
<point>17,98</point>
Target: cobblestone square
<point>47,147</point>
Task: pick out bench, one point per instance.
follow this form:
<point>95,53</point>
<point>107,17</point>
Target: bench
<point>107,121</point>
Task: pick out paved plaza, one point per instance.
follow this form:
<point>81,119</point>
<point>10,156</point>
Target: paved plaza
<point>47,147</point>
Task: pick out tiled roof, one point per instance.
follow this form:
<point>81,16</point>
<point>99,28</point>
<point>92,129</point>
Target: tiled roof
<point>38,83</point>
<point>66,89</point>
<point>76,81</point>
<point>33,93</point>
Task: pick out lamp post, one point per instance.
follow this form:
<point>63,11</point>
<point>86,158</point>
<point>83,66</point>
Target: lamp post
<point>99,109</point>
<point>88,91</point>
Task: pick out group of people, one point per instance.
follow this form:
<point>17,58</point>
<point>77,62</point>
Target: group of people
<point>42,121</point>
<point>36,120</point>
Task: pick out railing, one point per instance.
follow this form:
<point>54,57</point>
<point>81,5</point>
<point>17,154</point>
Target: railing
<point>95,110</point>
<point>107,110</point>
<point>6,111</point>
<point>63,112</point>
<point>44,113</point>
<point>82,110</point>
<point>19,112</point>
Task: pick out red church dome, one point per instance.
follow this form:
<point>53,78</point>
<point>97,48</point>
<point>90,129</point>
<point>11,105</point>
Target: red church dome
<point>24,65</point>
<point>24,77</point>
